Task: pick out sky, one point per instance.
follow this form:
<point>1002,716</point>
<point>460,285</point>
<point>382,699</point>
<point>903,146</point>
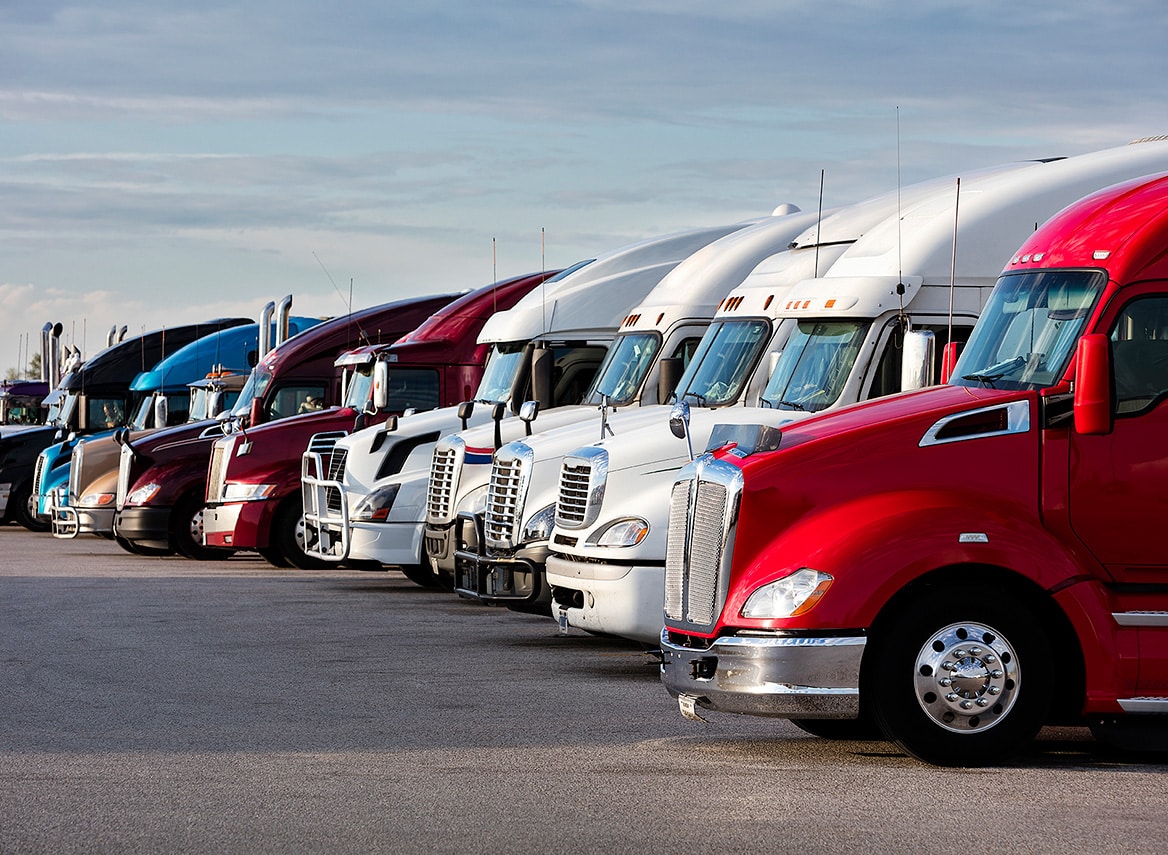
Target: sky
<point>166,162</point>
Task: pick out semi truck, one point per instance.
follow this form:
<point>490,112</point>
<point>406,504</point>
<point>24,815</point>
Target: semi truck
<point>369,504</point>
<point>75,485</point>
<point>94,397</point>
<point>966,563</point>
<point>838,341</point>
<point>20,402</point>
<point>253,502</point>
<point>676,315</point>
<point>162,479</point>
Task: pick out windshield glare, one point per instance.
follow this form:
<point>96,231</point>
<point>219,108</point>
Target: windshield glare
<point>722,364</point>
<point>257,382</point>
<point>360,387</point>
<point>1027,332</point>
<point>503,364</point>
<point>624,368</point>
<point>815,365</point>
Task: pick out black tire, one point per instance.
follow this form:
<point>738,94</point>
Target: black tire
<point>134,549</point>
<point>23,504</point>
<point>273,556</point>
<point>955,682</point>
<point>420,574</point>
<point>862,729</point>
<point>186,531</point>
<point>287,537</point>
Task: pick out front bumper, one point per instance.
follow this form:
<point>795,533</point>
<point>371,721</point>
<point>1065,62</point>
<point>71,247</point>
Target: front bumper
<point>395,543</point>
<point>627,601</point>
<point>146,526</point>
<point>69,522</point>
<point>514,580</point>
<point>236,525</point>
<point>768,675</point>
<point>439,542</point>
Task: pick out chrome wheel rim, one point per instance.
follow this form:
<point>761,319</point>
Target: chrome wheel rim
<point>967,677</point>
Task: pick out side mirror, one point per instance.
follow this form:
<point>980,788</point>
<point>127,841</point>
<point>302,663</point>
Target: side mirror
<point>527,412</point>
<point>161,411</point>
<point>215,403</point>
<point>380,385</point>
<point>465,410</point>
<point>679,425</point>
<point>949,359</point>
<point>1093,393</point>
<point>542,362</point>
<point>916,365</point>
<point>497,412</point>
<point>668,376</point>
<point>83,412</point>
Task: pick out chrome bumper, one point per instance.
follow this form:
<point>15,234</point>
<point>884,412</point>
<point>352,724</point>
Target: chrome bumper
<point>783,676</point>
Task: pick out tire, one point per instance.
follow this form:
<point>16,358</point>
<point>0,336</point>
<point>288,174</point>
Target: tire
<point>862,729</point>
<point>134,549</point>
<point>186,532</point>
<point>273,556</point>
<point>955,682</point>
<point>420,574</point>
<point>24,508</point>
<point>287,537</point>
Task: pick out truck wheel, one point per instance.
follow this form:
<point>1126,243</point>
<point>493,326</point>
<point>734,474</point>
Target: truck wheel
<point>420,574</point>
<point>287,538</point>
<point>959,683</point>
<point>187,531</point>
<point>24,508</point>
<point>134,549</point>
<point>862,729</point>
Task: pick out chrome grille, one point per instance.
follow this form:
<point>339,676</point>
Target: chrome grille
<point>336,472</point>
<point>76,462</point>
<point>703,509</point>
<point>38,474</point>
<point>675,550</point>
<point>125,461</point>
<point>323,442</point>
<point>572,504</point>
<point>705,552</point>
<point>505,495</point>
<point>583,476</point>
<point>217,470</point>
<point>444,470</point>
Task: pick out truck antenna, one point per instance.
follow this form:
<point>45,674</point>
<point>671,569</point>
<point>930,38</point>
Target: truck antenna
<point>953,261</point>
<point>819,226</point>
<point>900,289</point>
<point>543,266</point>
<point>494,276</point>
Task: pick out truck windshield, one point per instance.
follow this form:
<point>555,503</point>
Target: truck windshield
<point>624,368</point>
<point>815,365</point>
<point>503,365</point>
<point>254,388</point>
<point>723,361</point>
<point>1028,329</point>
<point>359,387</point>
<point>141,419</point>
<point>61,409</point>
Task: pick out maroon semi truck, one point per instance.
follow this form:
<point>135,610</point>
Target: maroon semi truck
<point>162,479</point>
<point>253,498</point>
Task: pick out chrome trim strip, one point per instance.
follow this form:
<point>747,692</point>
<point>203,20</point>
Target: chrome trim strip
<point>1144,705</point>
<point>1141,618</point>
<point>1017,421</point>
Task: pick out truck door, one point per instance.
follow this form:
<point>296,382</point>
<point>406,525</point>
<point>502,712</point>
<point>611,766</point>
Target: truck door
<point>1118,491</point>
<point>1119,482</point>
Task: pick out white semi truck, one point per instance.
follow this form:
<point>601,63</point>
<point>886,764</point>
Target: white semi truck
<point>836,341</point>
<point>501,529</point>
<point>367,503</point>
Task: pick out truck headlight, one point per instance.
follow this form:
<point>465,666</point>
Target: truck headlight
<point>247,492</point>
<point>474,502</point>
<point>792,595</point>
<point>376,506</point>
<point>621,533</point>
<point>143,494</point>
<point>540,526</point>
<point>97,500</point>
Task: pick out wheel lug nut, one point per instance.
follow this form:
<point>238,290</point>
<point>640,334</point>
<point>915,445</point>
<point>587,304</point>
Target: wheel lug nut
<point>967,705</point>
<point>946,682</point>
<point>959,653</point>
<point>975,651</point>
<point>982,702</point>
<point>996,674</point>
<point>952,696</point>
<point>947,665</point>
<point>989,658</point>
<point>993,690</point>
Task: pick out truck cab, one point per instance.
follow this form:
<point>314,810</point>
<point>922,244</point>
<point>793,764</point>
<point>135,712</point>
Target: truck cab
<point>919,562</point>
<point>162,478</point>
<point>371,504</point>
<point>437,364</point>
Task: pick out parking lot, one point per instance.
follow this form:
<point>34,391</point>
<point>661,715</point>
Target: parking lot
<point>159,704</point>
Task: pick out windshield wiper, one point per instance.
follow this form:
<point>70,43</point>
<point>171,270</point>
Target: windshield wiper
<point>794,405</point>
<point>996,372</point>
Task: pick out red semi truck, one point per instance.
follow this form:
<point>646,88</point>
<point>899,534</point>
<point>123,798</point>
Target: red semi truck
<point>162,478</point>
<point>253,498</point>
<point>964,564</point>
